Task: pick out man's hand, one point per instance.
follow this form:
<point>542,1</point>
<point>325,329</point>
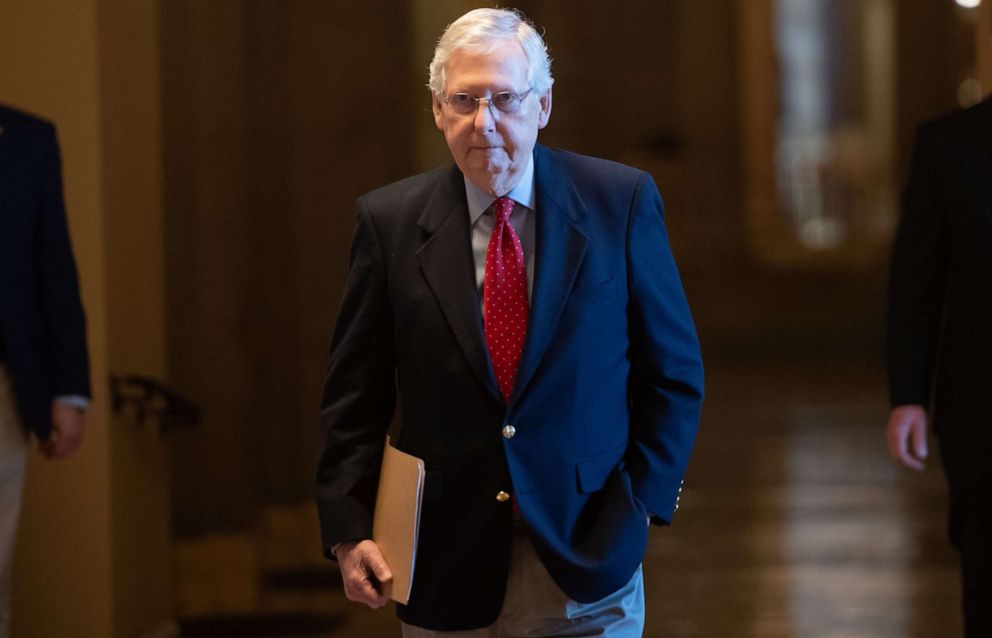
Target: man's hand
<point>907,435</point>
<point>68,424</point>
<point>363,569</point>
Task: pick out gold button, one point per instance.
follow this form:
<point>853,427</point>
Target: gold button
<point>502,496</point>
<point>509,431</point>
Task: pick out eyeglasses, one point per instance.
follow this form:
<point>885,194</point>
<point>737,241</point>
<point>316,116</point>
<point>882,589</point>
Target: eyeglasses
<point>506,102</point>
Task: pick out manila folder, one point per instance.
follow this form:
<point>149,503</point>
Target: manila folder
<point>396,521</point>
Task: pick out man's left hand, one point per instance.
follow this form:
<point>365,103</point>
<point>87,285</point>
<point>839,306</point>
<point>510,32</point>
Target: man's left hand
<point>68,424</point>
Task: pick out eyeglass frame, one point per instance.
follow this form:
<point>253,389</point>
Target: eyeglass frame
<point>518,98</point>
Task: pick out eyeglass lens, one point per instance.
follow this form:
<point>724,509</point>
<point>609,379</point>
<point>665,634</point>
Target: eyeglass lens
<point>465,104</point>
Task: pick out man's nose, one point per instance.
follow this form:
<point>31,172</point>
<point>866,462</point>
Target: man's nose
<point>485,119</point>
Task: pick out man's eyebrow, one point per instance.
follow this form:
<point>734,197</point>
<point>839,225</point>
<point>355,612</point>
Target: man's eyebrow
<point>493,89</point>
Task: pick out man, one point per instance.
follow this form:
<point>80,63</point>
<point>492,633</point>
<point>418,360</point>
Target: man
<point>525,305</point>
<point>940,314</point>
<point>44,377</point>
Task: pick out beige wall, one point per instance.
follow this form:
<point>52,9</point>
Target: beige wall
<point>279,115</point>
<point>204,93</point>
<point>91,529</point>
<point>131,164</point>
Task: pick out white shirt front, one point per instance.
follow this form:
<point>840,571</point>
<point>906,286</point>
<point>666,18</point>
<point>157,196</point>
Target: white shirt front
<point>523,222</point>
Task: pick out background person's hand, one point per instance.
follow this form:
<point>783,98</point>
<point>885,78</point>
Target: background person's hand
<point>907,436</point>
<point>363,570</point>
<point>68,425</point>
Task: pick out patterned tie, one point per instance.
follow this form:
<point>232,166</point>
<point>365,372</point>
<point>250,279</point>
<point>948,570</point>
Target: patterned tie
<point>505,303</point>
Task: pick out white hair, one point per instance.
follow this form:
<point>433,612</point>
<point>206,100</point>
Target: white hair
<point>480,30</point>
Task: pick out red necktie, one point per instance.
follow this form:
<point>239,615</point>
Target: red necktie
<point>505,297</point>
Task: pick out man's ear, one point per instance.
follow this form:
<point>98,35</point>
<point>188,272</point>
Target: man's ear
<point>436,108</point>
<point>545,114</point>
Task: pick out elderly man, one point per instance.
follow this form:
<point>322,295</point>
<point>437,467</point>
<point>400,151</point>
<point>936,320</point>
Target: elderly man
<point>525,307</point>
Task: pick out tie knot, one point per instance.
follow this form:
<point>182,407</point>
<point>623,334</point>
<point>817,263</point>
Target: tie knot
<point>502,208</point>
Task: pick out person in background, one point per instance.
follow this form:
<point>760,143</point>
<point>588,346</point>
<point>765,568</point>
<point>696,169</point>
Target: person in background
<point>940,334</point>
<point>44,369</point>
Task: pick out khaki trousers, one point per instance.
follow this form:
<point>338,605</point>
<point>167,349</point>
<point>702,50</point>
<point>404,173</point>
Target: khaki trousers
<point>13,458</point>
<point>536,608</point>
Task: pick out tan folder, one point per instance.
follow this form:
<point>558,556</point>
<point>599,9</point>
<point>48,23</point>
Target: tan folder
<point>396,521</point>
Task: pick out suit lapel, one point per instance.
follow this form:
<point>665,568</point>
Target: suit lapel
<point>447,264</point>
<point>449,268</point>
<point>560,247</point>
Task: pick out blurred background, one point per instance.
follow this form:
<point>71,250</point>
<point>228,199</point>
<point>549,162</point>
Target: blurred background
<point>213,150</point>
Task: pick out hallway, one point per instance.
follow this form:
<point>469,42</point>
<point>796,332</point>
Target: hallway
<point>793,522</point>
<point>211,153</point>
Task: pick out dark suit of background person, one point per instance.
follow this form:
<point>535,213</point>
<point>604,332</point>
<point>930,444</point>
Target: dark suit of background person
<point>604,409</point>
<point>940,331</point>
<point>44,377</point>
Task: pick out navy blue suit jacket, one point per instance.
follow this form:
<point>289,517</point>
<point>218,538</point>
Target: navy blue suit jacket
<point>42,330</point>
<point>605,405</point>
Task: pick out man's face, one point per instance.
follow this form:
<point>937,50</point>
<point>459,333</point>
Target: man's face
<point>490,147</point>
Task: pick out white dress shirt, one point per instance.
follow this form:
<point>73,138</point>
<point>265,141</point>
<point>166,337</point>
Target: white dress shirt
<point>523,222</point>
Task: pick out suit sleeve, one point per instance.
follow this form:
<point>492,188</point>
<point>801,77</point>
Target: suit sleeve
<point>63,322</point>
<point>359,395</point>
<point>917,279</point>
<point>666,376</point>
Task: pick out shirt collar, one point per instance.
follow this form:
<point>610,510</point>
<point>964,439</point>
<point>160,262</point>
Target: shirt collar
<point>480,201</point>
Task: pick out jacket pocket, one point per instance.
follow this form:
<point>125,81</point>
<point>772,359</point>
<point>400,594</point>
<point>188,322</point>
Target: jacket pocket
<point>595,292</point>
<point>593,472</point>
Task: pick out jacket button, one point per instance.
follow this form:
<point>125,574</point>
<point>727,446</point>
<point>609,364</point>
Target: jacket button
<point>502,496</point>
<point>509,431</point>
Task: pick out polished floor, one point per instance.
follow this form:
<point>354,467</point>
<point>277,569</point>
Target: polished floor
<point>793,522</point>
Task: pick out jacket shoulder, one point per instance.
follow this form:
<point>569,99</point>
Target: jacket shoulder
<point>594,175</point>
<point>22,124</point>
<point>409,191</point>
<point>586,166</point>
<point>960,125</point>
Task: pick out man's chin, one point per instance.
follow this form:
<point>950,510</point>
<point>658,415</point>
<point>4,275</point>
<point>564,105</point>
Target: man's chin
<point>496,184</point>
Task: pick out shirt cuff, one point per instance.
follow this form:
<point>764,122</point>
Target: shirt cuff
<point>75,400</point>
